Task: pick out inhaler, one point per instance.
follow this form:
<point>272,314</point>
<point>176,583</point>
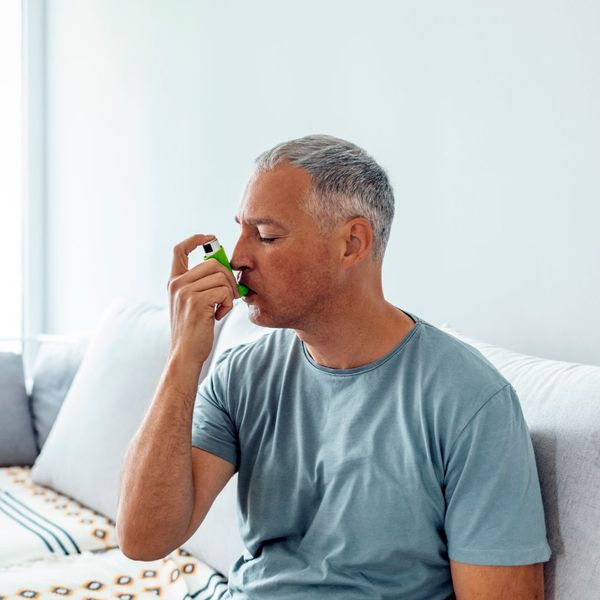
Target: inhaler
<point>214,250</point>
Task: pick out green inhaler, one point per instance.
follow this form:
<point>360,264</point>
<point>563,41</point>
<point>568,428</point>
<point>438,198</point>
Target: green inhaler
<point>214,250</point>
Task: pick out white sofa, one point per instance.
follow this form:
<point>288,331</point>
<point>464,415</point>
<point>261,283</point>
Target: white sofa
<point>103,382</point>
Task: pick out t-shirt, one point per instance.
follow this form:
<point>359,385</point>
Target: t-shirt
<point>363,483</point>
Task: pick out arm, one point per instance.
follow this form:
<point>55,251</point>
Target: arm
<point>156,487</point>
<point>483,582</point>
<point>494,519</point>
<point>166,487</point>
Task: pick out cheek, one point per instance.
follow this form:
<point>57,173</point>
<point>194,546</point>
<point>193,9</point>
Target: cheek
<point>313,276</point>
<point>278,269</point>
<point>313,271</point>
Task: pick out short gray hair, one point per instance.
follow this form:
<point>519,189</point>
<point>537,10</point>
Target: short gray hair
<point>347,183</point>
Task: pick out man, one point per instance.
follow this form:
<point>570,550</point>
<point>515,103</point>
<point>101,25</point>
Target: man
<point>377,456</point>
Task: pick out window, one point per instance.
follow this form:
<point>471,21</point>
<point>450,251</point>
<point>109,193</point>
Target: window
<point>11,256</point>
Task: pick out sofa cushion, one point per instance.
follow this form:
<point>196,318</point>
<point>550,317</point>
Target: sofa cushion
<point>56,364</point>
<point>17,438</point>
<point>561,405</point>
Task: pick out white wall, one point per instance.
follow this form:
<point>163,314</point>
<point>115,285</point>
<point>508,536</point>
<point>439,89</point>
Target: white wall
<point>484,114</point>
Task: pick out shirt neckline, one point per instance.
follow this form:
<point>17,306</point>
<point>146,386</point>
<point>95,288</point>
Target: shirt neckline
<point>372,365</point>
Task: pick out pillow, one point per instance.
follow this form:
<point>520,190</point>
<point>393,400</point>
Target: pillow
<point>217,541</point>
<point>561,405</point>
<point>17,439</point>
<point>55,366</point>
<point>106,402</point>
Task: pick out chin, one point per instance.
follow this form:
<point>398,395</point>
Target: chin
<point>263,319</point>
<point>257,317</point>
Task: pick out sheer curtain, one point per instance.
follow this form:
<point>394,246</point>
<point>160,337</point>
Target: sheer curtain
<point>11,149</point>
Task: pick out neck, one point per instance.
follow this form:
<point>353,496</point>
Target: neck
<point>354,334</point>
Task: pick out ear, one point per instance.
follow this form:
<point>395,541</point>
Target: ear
<point>357,236</point>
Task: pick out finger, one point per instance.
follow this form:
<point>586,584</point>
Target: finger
<point>216,280</point>
<point>231,280</point>
<point>181,251</point>
<point>215,292</point>
<point>204,269</point>
<point>219,296</point>
<point>221,299</point>
<point>222,310</point>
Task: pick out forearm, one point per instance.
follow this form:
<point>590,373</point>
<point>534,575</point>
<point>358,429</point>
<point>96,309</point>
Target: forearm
<point>157,490</point>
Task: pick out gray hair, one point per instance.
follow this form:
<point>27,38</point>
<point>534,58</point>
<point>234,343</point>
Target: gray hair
<point>347,183</point>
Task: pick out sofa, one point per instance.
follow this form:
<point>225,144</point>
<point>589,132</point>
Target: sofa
<point>62,443</point>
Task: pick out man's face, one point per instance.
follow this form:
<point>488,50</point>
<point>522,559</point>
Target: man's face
<point>289,267</point>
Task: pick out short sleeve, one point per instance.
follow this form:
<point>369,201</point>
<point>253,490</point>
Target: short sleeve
<point>494,511</point>
<point>213,428</point>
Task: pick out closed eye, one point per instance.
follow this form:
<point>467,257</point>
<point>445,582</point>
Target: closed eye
<point>266,240</point>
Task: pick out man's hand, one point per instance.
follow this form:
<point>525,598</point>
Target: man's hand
<point>487,582</point>
<point>193,296</point>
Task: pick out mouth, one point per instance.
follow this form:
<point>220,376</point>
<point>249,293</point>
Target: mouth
<point>242,282</point>
<point>249,297</point>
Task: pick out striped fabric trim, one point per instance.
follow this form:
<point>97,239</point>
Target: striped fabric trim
<point>33,521</point>
<point>215,589</point>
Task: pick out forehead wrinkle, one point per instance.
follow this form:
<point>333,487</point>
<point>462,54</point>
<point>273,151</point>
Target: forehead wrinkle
<point>260,221</point>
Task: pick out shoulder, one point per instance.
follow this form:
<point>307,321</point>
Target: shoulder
<point>455,381</point>
<point>454,364</point>
<point>243,369</point>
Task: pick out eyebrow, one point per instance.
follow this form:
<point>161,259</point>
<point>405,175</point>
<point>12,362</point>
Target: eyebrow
<point>261,221</point>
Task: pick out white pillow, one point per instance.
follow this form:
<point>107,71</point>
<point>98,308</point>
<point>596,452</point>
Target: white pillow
<point>561,405</point>
<point>107,400</point>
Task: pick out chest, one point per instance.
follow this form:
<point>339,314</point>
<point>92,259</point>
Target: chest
<point>368,441</point>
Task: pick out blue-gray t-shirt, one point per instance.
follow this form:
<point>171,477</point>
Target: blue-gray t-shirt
<point>363,483</point>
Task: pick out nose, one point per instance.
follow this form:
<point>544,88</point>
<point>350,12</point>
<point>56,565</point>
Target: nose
<point>238,260</point>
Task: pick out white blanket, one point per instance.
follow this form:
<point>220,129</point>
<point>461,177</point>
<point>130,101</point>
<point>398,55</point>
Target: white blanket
<point>53,546</point>
<point>36,521</point>
<point>110,574</point>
